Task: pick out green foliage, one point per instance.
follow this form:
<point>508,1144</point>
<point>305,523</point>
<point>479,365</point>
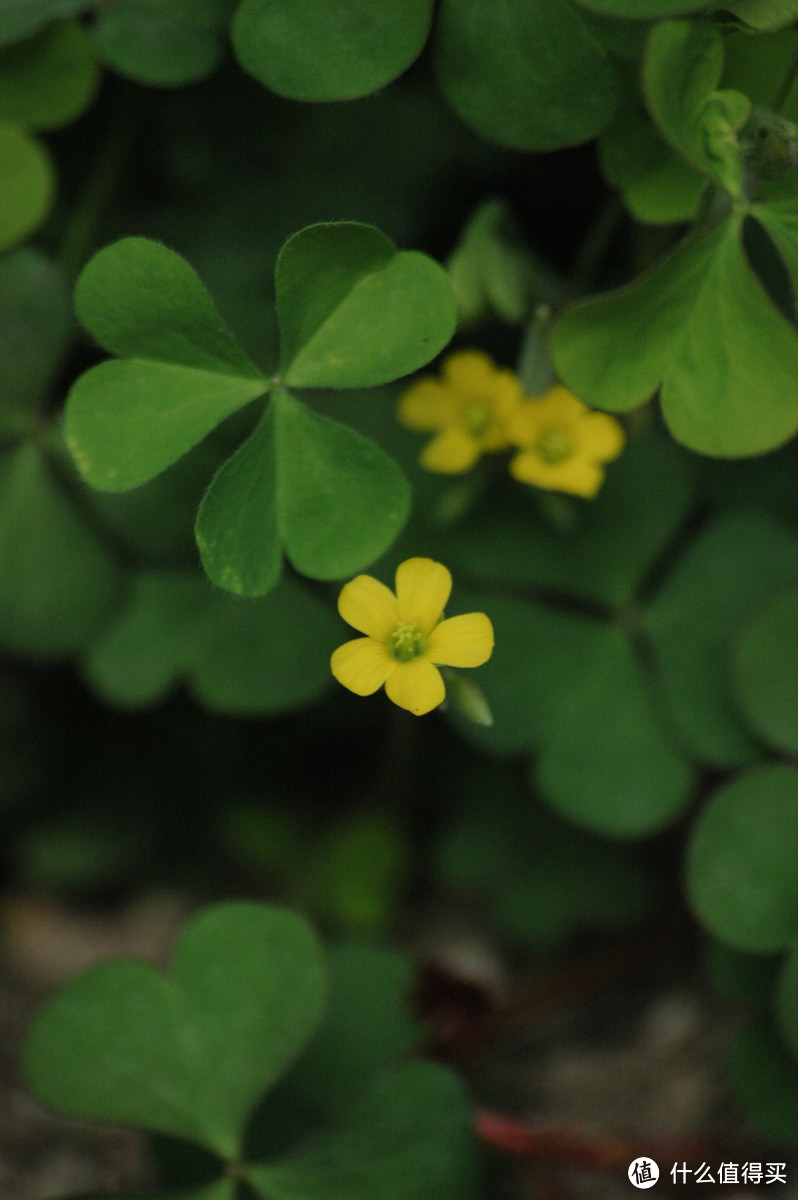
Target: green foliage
<point>163,45</point>
<point>171,536</point>
<point>741,870</point>
<point>312,51</point>
<point>507,72</point>
<point>193,1054</point>
<point>352,311</point>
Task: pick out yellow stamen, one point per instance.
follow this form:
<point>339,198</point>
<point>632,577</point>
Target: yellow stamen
<point>406,643</point>
<point>554,445</point>
<point>477,418</point>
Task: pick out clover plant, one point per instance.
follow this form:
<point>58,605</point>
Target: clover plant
<point>495,300</point>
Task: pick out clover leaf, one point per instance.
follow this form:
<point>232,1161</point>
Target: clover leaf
<point>187,1054</point>
<point>701,329</point>
<point>741,878</point>
<point>314,50</point>
<point>528,76</point>
<point>353,311</point>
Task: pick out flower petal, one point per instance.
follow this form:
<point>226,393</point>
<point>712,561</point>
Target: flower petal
<point>422,589</point>
<point>602,437</point>
<point>369,607</point>
<point>451,452</point>
<point>465,641</point>
<point>576,476</point>
<point>362,665</point>
<point>426,406</point>
<point>469,371</point>
<point>416,685</point>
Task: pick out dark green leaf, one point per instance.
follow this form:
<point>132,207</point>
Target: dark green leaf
<point>702,327</point>
<point>163,44</point>
<point>34,327</point>
<point>644,8</point>
<point>528,76</point>
<point>314,50</point>
<point>408,1139</point>
<point>741,877</point>
<point>764,14</point>
<point>354,311</point>
<point>787,1002</point>
<point>765,1078</point>
<point>729,570</point>
<point>57,582</point>
<point>27,184</point>
<point>48,79</point>
<point>609,764</point>
<point>766,663</point>
<point>191,1053</point>
<point>238,657</point>
<point>602,549</point>
<point>658,186</point>
<point>20,18</point>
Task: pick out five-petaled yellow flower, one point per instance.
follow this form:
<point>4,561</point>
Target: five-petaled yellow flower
<point>564,444</point>
<point>469,407</point>
<point>405,636</point>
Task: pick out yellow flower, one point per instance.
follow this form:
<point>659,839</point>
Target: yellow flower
<point>405,636</point>
<point>564,444</point>
<point>470,406</point>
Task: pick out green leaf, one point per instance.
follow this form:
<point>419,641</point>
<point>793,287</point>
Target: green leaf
<point>408,1139</point>
<point>354,311</point>
<point>128,420</point>
<point>569,689</point>
<point>765,1078</point>
<point>237,522</point>
<point>48,79</point>
<point>191,1053</point>
<point>765,665</point>
<point>163,43</point>
<point>331,498</point>
<point>140,300</point>
<point>741,877</point>
<point>704,330</point>
<point>57,582</point>
<point>780,220</point>
<point>341,500</point>
<point>600,551</point>
<point>658,187</point>
<point>787,1002</point>
<point>313,50</point>
<point>643,8</point>
<point>367,1030</point>
<point>609,764</point>
<point>681,71</point>
<point>528,76</point>
<point>731,568</point>
<point>241,658</point>
<point>21,18</point>
<point>491,270</point>
<point>27,184</point>
<point>764,14</point>
<point>34,329</point>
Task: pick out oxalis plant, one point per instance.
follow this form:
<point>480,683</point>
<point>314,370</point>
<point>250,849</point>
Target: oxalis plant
<point>525,464</point>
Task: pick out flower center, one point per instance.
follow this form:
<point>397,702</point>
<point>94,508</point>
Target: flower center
<point>554,445</point>
<point>406,642</point>
<point>477,418</point>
